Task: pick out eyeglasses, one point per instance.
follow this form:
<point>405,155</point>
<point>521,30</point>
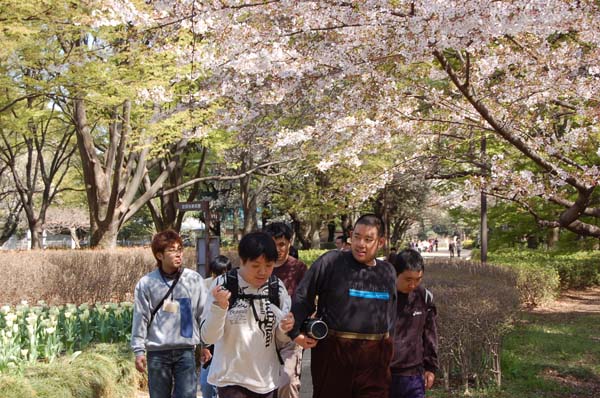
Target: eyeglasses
<point>178,250</point>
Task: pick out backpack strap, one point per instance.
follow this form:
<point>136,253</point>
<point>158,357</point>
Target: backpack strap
<point>161,302</point>
<point>428,299</point>
<point>232,284</point>
<point>274,290</point>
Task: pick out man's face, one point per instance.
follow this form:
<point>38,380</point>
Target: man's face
<point>171,258</point>
<point>408,281</point>
<point>256,272</point>
<point>365,243</point>
<point>339,243</point>
<point>283,249</point>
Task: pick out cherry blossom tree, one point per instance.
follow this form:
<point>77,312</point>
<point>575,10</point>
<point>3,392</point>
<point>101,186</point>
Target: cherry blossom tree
<point>383,76</point>
<point>522,71</point>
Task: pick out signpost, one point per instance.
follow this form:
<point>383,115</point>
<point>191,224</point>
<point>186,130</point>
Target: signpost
<point>207,247</point>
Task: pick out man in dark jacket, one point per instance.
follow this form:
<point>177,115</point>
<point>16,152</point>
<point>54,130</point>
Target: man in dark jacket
<point>357,300</point>
<point>415,359</point>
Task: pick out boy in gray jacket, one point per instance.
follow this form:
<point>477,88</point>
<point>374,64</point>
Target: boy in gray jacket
<point>166,317</point>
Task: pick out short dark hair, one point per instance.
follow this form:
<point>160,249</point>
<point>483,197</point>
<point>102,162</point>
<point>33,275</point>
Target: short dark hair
<point>408,259</point>
<point>256,244</point>
<point>219,265</point>
<point>162,240</point>
<point>372,220</point>
<point>278,230</point>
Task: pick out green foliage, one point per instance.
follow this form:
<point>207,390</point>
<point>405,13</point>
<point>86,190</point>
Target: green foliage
<point>543,273</point>
<point>140,226</point>
<point>537,283</point>
<point>545,350</point>
<point>575,269</point>
<point>30,333</point>
<point>309,256</point>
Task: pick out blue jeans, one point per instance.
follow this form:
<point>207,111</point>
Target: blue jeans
<point>172,373</point>
<point>407,387</point>
<point>208,390</point>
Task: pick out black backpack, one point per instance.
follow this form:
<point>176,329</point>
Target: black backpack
<point>231,284</point>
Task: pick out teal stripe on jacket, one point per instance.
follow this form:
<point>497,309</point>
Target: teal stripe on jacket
<point>369,295</point>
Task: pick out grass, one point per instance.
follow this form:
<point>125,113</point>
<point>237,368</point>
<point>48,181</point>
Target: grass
<point>547,355</point>
<point>105,371</point>
<point>553,355</point>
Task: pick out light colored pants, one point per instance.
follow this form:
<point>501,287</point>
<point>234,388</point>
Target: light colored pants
<point>289,376</point>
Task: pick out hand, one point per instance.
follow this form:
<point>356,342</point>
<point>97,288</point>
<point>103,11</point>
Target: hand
<point>287,322</point>
<point>221,296</point>
<point>205,355</point>
<point>429,379</point>
<point>140,363</point>
<point>305,341</point>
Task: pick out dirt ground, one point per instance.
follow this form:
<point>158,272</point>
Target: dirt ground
<point>573,301</point>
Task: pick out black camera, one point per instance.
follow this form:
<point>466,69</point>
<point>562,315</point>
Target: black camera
<point>314,328</point>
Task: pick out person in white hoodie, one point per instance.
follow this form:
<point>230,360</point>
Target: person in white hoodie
<point>246,327</point>
<point>168,304</point>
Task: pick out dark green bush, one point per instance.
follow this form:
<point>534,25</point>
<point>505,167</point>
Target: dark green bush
<point>543,273</point>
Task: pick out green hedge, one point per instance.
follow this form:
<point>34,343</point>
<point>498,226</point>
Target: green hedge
<point>542,273</point>
<point>309,256</point>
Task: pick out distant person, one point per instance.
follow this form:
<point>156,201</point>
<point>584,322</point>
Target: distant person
<point>451,247</point>
<point>391,255</point>
<point>415,359</point>
<point>219,266</point>
<point>357,300</point>
<point>168,303</point>
<point>458,247</point>
<point>246,315</point>
<point>290,271</point>
<point>347,245</point>
<point>435,244</point>
<point>339,242</point>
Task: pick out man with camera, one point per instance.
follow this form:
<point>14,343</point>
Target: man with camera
<point>354,294</point>
<point>290,270</point>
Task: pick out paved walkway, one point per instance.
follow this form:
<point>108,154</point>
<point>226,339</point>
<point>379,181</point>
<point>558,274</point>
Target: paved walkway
<point>444,253</point>
<point>306,389</point>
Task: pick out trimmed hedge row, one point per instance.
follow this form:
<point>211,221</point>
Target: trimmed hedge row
<point>542,274</point>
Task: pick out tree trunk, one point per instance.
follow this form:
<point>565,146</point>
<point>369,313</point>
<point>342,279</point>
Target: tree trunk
<point>35,227</point>
<point>10,224</point>
<point>346,224</point>
<point>483,228</point>
<point>250,219</point>
<point>553,237</point>
<point>74,238</point>
<point>105,236</point>
<point>315,226</point>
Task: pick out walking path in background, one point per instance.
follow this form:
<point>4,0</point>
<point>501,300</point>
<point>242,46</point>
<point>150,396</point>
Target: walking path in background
<point>444,253</point>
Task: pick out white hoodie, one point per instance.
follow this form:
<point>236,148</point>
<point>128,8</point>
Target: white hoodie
<point>245,353</point>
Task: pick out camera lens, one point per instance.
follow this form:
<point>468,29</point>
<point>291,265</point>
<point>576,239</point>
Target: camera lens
<point>316,328</point>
